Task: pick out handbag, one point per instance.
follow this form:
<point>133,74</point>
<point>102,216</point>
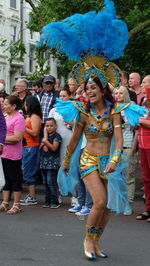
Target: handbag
<point>2,178</point>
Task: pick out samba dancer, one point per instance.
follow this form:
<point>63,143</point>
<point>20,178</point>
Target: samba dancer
<point>96,38</point>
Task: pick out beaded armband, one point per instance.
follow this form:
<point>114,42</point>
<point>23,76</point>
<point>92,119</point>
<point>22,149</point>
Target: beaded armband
<point>67,157</point>
<point>116,156</point>
<point>80,124</point>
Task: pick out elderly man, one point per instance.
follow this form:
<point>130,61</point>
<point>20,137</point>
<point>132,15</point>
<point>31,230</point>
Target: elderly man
<point>135,85</point>
<point>2,130</point>
<point>21,89</point>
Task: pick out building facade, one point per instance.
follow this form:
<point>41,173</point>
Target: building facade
<point>14,15</point>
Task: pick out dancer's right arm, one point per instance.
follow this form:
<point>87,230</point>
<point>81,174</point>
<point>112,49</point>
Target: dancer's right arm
<point>74,141</point>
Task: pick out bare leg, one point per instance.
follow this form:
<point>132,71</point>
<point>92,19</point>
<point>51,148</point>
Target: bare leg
<point>6,194</point>
<point>16,205</point>
<point>32,191</point>
<point>5,203</point>
<point>97,190</point>
<point>17,196</point>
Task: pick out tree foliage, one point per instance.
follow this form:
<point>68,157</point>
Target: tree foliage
<point>136,13</point>
<point>16,49</point>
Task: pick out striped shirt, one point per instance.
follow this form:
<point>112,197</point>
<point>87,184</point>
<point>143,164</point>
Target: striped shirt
<point>45,105</point>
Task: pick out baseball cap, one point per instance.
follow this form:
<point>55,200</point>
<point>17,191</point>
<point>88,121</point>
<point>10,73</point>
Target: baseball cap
<point>49,79</point>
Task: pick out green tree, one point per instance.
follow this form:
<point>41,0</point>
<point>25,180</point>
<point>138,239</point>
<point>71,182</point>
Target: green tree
<point>16,49</point>
<point>136,13</point>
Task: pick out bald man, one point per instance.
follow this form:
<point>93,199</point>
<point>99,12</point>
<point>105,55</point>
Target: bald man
<point>135,85</point>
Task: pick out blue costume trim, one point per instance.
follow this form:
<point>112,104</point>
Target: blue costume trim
<point>117,188</point>
<point>88,170</point>
<point>67,109</point>
<point>68,182</point>
<point>132,112</point>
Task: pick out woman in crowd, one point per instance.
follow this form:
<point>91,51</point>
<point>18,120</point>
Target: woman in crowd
<point>12,154</point>
<point>72,88</point>
<point>30,158</point>
<point>121,95</point>
<point>63,128</point>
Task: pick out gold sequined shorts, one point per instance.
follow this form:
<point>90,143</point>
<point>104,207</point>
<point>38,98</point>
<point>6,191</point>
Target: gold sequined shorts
<point>90,162</point>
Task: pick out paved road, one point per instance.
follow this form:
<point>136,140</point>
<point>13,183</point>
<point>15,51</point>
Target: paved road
<point>45,237</point>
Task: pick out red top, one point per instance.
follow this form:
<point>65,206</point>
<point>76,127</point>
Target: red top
<point>144,136</point>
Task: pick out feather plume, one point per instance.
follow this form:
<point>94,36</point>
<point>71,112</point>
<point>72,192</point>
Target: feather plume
<point>101,31</point>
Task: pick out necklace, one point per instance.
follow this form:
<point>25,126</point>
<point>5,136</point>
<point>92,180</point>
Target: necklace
<point>100,118</point>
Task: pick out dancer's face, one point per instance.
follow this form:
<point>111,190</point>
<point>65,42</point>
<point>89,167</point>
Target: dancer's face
<point>93,92</point>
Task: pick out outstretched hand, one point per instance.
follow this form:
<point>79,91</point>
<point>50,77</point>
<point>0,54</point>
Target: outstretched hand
<point>110,167</point>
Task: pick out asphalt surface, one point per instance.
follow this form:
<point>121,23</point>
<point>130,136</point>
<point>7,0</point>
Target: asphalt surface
<point>46,237</point>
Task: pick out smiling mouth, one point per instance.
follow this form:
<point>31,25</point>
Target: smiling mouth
<point>92,96</point>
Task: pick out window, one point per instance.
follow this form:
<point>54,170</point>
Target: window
<point>13,3</point>
<point>13,33</point>
<point>31,57</point>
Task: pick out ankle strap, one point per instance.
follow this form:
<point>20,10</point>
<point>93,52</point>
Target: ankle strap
<point>94,232</point>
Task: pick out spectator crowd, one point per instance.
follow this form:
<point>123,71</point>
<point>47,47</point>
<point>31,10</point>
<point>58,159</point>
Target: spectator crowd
<point>34,136</point>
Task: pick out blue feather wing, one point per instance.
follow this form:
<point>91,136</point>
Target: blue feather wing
<point>133,112</point>
<point>67,109</point>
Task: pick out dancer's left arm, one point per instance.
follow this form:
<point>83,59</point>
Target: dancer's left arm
<point>117,124</point>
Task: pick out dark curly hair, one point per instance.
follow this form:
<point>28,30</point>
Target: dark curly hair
<point>33,106</point>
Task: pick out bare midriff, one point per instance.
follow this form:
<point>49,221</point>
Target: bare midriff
<point>98,147</point>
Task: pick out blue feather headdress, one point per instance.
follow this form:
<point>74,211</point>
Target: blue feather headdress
<point>92,39</point>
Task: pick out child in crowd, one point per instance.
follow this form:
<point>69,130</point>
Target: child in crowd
<point>49,162</point>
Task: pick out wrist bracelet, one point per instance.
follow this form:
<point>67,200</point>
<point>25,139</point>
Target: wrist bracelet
<point>67,157</point>
<point>116,156</point>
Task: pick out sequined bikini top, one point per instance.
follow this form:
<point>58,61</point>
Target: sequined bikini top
<point>95,129</point>
<point>98,126</point>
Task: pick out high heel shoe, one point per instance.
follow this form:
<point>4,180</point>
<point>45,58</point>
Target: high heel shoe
<point>101,254</point>
<point>89,255</point>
